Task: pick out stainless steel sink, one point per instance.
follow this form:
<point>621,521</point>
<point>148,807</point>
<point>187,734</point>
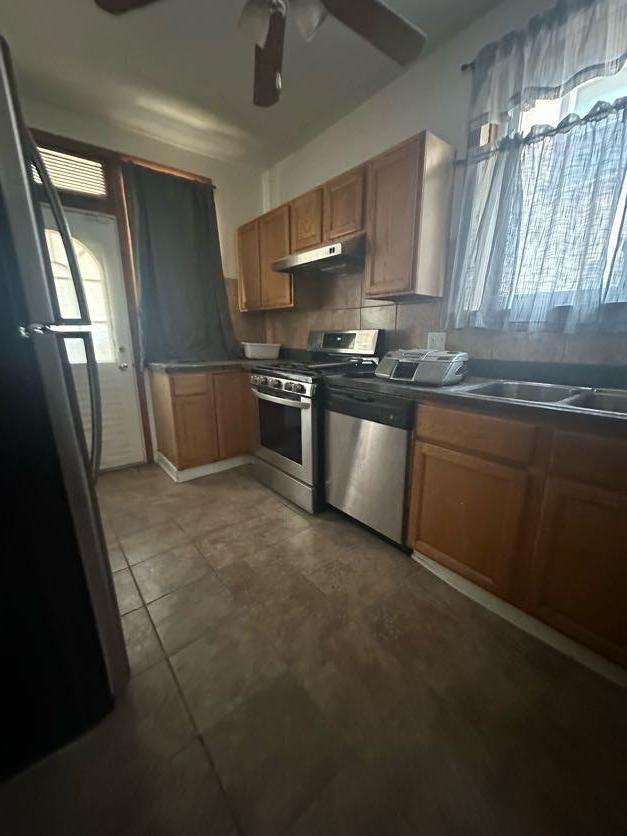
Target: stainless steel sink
<point>520,391</point>
<point>606,400</point>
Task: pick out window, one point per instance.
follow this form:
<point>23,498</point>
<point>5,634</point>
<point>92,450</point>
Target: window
<point>77,175</point>
<point>579,102</point>
<point>94,284</point>
<point>542,242</point>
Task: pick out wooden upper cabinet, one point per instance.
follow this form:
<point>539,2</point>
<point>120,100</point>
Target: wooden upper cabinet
<point>274,243</point>
<point>409,197</point>
<point>249,273</point>
<point>236,414</point>
<point>344,204</point>
<point>306,221</point>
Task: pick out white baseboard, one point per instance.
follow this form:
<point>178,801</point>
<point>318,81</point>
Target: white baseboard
<point>202,470</point>
<point>563,644</point>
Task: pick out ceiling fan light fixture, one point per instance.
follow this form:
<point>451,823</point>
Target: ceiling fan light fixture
<point>308,16</point>
<point>255,18</point>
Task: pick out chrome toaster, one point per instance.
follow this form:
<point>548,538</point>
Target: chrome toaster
<point>424,366</point>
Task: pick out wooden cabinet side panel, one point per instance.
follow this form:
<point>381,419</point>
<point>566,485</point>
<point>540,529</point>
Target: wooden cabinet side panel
<point>161,393</point>
<point>391,219</point>
<point>344,204</point>
<point>306,221</point>
<point>236,414</point>
<point>249,284</point>
<point>274,243</point>
<point>579,566</point>
<point>435,216</point>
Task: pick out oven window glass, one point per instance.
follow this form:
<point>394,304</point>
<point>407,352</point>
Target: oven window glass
<point>280,430</point>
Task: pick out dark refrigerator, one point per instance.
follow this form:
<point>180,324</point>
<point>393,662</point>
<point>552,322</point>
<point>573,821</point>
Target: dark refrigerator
<point>64,660</point>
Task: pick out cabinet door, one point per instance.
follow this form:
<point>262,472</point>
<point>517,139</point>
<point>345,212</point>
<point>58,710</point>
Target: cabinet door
<point>466,512</point>
<point>392,208</point>
<point>306,221</point>
<point>580,565</point>
<point>344,205</point>
<point>196,432</point>
<point>249,275</point>
<point>274,243</point>
<point>236,413</point>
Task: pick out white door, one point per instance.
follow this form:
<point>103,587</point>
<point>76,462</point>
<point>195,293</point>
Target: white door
<point>97,246</point>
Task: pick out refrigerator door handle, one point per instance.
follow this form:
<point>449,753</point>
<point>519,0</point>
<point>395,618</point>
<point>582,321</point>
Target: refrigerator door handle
<point>32,153</point>
<point>95,401</point>
<point>94,455</point>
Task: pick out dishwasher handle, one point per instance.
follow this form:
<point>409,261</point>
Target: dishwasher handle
<point>382,409</point>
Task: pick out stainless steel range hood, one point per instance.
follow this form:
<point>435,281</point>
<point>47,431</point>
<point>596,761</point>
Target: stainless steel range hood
<point>341,257</point>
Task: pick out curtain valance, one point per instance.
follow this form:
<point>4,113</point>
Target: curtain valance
<point>573,42</point>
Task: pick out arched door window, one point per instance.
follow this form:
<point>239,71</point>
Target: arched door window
<point>94,282</point>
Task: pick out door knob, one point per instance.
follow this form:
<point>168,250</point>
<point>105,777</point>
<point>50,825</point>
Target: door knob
<point>123,366</point>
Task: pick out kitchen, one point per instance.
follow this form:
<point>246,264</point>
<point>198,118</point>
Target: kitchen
<point>388,553</point>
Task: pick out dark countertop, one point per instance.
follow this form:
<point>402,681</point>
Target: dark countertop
<point>176,367</point>
<point>456,394</point>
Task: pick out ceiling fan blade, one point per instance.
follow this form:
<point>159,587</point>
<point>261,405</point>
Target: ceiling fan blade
<point>308,15</point>
<point>381,26</point>
<point>268,62</point>
<point>118,7</point>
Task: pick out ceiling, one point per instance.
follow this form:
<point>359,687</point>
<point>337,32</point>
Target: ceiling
<point>181,71</point>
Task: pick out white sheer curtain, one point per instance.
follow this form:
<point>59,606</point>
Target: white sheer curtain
<point>542,239</point>
<point>573,42</point>
<point>542,236</point>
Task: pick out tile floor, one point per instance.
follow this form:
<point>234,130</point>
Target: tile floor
<point>296,675</point>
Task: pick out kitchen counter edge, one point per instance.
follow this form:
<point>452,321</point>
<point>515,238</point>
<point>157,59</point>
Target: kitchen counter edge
<point>456,395</point>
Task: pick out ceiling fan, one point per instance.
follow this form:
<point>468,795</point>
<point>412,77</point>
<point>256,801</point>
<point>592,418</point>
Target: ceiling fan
<point>264,20</point>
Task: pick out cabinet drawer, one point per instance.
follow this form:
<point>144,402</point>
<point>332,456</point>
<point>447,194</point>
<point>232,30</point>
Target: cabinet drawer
<point>189,384</point>
<point>591,459</point>
<point>503,438</point>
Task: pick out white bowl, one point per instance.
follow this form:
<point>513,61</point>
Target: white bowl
<point>261,351</point>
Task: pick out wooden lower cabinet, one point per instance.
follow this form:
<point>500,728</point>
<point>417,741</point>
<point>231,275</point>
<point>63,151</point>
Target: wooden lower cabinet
<point>236,414</point>
<point>467,513</point>
<point>547,531</point>
<point>202,418</point>
<point>195,430</point>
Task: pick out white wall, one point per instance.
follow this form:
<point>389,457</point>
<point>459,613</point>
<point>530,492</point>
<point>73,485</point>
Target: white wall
<point>432,95</point>
<point>238,188</point>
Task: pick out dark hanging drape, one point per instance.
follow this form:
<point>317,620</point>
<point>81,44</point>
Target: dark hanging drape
<point>183,307</point>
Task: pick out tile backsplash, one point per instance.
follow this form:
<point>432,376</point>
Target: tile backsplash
<point>335,302</point>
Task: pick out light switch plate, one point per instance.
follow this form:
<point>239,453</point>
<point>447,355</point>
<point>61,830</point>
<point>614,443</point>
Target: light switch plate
<point>436,340</point>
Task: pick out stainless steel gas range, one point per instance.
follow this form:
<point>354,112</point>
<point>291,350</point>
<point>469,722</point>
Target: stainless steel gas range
<point>288,392</point>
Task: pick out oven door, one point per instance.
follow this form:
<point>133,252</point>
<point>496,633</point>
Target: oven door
<point>286,431</point>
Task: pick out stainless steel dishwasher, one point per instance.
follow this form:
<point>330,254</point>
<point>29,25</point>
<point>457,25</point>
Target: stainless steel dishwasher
<point>366,441</point>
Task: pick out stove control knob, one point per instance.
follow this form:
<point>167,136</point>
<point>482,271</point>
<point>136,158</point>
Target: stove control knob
<point>274,382</point>
<point>298,387</point>
<point>289,386</point>
<point>261,380</point>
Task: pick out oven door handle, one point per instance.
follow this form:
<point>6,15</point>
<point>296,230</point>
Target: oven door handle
<point>283,401</point>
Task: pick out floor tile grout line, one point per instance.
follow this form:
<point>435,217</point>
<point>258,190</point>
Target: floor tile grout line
<point>189,542</point>
<point>198,732</point>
